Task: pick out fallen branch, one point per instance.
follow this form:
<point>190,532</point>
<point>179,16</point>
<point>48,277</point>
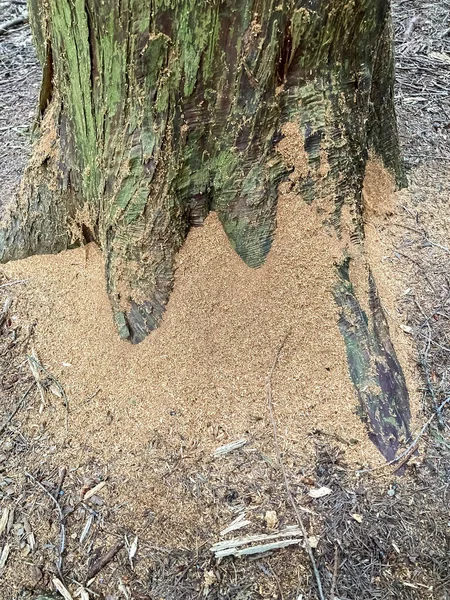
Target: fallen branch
<point>7,25</point>
<point>283,470</point>
<point>62,530</point>
<point>104,560</point>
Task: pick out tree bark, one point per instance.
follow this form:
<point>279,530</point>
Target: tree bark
<point>154,112</point>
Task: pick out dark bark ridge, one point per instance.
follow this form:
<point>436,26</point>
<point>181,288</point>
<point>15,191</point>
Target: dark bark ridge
<point>154,112</point>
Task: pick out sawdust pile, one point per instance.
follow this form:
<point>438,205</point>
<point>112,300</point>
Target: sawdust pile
<point>199,380</point>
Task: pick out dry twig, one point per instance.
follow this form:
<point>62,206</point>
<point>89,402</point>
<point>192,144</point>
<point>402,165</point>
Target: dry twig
<point>16,409</point>
<point>5,310</point>
<point>283,469</point>
<point>335,571</point>
<point>104,560</point>
<point>33,360</point>
<point>8,283</point>
<point>62,530</point>
<point>62,476</point>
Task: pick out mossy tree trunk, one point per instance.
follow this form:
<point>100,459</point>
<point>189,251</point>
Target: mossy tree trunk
<point>154,112</point>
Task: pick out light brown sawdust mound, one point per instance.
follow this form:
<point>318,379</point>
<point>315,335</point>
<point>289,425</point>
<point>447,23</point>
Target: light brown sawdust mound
<point>201,376</point>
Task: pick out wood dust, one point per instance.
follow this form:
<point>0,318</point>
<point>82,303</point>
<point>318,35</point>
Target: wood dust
<point>199,380</point>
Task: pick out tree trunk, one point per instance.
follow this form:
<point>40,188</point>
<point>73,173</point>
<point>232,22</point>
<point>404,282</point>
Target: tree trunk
<point>154,112</point>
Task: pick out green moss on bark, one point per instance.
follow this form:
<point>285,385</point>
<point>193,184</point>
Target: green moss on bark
<point>171,108</point>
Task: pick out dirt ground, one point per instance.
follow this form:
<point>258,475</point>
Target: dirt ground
<point>140,523</point>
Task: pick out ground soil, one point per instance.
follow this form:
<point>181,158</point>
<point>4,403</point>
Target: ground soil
<point>145,420</point>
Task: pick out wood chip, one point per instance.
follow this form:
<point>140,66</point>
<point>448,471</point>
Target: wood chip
<point>222,450</point>
<point>4,520</point>
<point>59,586</point>
<point>132,551</point>
<point>320,492</point>
<point>4,556</point>
<point>239,523</point>
<point>271,519</point>
<point>86,528</point>
<point>30,535</point>
<point>357,517</point>
<point>259,549</point>
<point>229,547</point>
<point>55,391</point>
<point>94,490</point>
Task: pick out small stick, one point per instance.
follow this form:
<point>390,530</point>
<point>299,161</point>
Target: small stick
<point>57,383</point>
<point>62,530</point>
<point>16,409</point>
<point>335,571</point>
<point>8,283</point>
<point>62,476</point>
<point>283,469</point>
<point>407,453</point>
<point>36,376</point>
<point>104,560</point>
<point>5,310</point>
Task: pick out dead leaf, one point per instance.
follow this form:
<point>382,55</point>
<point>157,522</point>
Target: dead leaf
<point>357,517</point>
